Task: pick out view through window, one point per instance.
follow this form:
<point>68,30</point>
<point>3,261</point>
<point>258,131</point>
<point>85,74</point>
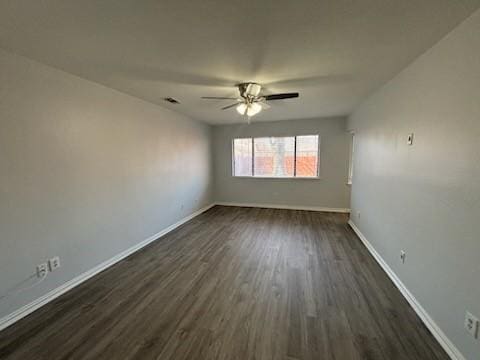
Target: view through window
<point>242,158</point>
<point>282,157</point>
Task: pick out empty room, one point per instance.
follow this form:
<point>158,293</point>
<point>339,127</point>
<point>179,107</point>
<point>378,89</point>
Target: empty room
<point>234,180</point>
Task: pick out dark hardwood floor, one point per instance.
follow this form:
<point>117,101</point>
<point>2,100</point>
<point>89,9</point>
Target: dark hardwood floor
<point>233,283</point>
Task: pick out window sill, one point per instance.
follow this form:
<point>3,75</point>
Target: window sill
<point>279,178</point>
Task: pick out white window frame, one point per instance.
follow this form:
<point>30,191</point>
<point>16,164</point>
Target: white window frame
<point>253,176</point>
<point>351,158</point>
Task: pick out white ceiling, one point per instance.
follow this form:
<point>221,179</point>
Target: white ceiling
<point>334,52</point>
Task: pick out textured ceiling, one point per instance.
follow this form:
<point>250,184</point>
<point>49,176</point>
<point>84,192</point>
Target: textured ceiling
<point>334,52</point>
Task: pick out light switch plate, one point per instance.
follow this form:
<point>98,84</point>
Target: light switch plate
<point>410,139</point>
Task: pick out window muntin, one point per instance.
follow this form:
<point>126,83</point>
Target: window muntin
<point>276,157</point>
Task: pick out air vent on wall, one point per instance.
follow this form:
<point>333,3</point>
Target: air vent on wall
<point>171,100</point>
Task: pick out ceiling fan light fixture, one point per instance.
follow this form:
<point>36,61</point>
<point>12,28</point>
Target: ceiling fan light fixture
<point>253,109</point>
<point>249,109</point>
<point>242,108</point>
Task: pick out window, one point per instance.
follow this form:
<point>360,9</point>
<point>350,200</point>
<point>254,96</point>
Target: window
<point>276,157</point>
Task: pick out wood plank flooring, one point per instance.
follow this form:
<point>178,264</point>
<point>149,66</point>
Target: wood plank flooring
<point>233,283</point>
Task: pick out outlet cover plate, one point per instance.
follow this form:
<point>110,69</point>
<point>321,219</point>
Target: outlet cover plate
<point>471,324</point>
<point>42,270</point>
<point>54,263</point>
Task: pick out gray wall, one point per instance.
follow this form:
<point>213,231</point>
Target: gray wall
<point>87,172</point>
<point>425,198</point>
<point>329,191</point>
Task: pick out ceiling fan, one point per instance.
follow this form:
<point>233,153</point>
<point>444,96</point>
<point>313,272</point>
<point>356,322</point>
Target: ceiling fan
<point>250,102</point>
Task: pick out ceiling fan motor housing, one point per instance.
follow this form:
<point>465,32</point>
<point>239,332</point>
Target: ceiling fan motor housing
<point>249,89</point>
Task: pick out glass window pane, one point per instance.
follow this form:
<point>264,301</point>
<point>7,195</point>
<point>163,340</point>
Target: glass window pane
<point>242,157</point>
<point>274,156</point>
<point>307,156</point>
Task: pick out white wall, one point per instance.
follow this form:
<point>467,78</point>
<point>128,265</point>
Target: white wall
<point>86,172</point>
<point>425,198</point>
<point>331,190</point>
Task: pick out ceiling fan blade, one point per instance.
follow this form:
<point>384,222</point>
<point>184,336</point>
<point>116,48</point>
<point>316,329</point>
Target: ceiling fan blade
<point>280,96</point>
<point>218,98</point>
<point>230,106</point>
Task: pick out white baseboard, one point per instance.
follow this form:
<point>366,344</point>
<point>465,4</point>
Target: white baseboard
<point>53,294</point>
<point>443,340</point>
<point>289,207</point>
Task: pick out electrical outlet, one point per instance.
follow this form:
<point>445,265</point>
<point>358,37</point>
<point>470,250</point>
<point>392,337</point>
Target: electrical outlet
<point>54,263</point>
<point>410,139</point>
<point>403,256</point>
<point>471,324</point>
<point>42,270</point>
